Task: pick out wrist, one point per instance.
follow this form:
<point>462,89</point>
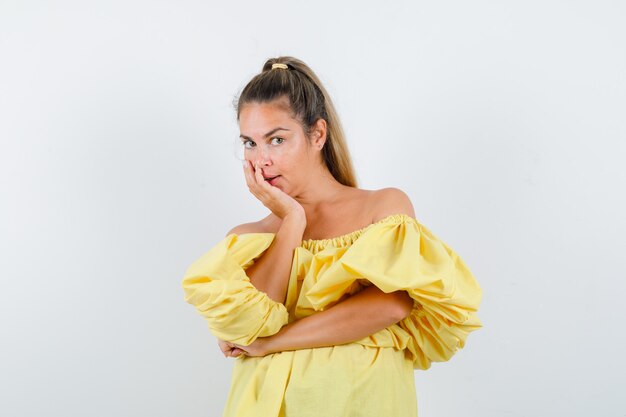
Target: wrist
<point>269,345</point>
<point>293,225</point>
<point>295,218</point>
<point>274,343</point>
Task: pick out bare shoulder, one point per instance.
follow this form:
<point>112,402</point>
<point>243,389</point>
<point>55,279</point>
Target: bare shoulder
<point>262,226</point>
<point>391,200</point>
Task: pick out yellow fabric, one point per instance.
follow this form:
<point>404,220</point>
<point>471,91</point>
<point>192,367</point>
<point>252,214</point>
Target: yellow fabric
<point>369,377</point>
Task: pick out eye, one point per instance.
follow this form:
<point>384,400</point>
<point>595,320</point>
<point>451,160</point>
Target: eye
<point>245,143</point>
<point>280,139</point>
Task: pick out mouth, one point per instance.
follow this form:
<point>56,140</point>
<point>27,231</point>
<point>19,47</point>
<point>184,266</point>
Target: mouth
<point>272,180</point>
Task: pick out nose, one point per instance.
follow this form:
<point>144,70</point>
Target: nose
<point>264,157</point>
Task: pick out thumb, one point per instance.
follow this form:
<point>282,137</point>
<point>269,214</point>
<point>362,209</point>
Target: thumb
<point>237,352</point>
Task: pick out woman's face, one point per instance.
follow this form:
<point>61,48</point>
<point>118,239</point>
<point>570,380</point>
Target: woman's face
<point>276,142</point>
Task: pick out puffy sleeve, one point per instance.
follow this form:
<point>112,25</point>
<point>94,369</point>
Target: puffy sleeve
<point>216,284</point>
<point>405,255</point>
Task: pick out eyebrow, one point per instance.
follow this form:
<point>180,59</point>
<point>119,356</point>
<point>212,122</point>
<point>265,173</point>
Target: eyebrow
<point>271,132</point>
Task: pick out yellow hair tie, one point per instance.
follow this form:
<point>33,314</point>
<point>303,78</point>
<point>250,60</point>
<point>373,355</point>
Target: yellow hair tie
<point>283,66</point>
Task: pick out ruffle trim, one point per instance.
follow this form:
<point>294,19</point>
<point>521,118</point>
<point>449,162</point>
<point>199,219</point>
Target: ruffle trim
<point>317,245</point>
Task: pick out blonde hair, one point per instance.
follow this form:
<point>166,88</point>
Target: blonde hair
<point>308,102</point>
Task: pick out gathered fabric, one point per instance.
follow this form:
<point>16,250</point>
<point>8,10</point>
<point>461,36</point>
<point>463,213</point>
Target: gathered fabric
<point>372,376</point>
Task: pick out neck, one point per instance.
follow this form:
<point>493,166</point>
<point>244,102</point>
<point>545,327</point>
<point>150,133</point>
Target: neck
<point>320,192</point>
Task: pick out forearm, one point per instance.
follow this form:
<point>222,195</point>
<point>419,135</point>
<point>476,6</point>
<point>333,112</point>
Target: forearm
<point>358,316</point>
<point>270,273</point>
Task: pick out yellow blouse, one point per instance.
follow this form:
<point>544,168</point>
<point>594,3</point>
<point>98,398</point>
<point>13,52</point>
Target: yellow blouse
<point>369,377</point>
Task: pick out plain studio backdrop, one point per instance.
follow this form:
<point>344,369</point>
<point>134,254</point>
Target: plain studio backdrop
<point>503,121</point>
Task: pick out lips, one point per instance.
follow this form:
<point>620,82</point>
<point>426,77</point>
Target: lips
<point>270,178</point>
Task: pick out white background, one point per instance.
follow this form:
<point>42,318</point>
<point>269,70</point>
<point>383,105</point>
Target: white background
<point>503,121</point>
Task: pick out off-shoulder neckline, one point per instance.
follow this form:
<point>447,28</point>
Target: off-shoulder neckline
<point>392,218</point>
<point>346,239</point>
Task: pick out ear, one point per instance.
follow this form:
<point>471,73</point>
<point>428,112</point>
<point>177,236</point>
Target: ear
<point>319,133</point>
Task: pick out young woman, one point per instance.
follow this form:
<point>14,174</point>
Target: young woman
<point>330,302</point>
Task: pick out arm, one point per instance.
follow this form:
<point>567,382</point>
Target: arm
<point>270,273</point>
<point>352,319</point>
<point>356,317</point>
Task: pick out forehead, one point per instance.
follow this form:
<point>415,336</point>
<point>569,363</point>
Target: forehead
<point>258,118</point>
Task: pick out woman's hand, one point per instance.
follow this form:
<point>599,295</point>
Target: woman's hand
<point>279,202</point>
<point>229,349</point>
<point>259,347</point>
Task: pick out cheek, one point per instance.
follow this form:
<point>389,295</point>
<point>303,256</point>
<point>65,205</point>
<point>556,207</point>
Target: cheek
<point>289,163</point>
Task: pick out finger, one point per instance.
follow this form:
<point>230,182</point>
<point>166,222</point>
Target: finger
<point>252,180</point>
<point>262,188</point>
<point>232,353</point>
<point>257,174</point>
<point>225,351</point>
<point>259,177</point>
<point>247,173</point>
<point>263,185</point>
